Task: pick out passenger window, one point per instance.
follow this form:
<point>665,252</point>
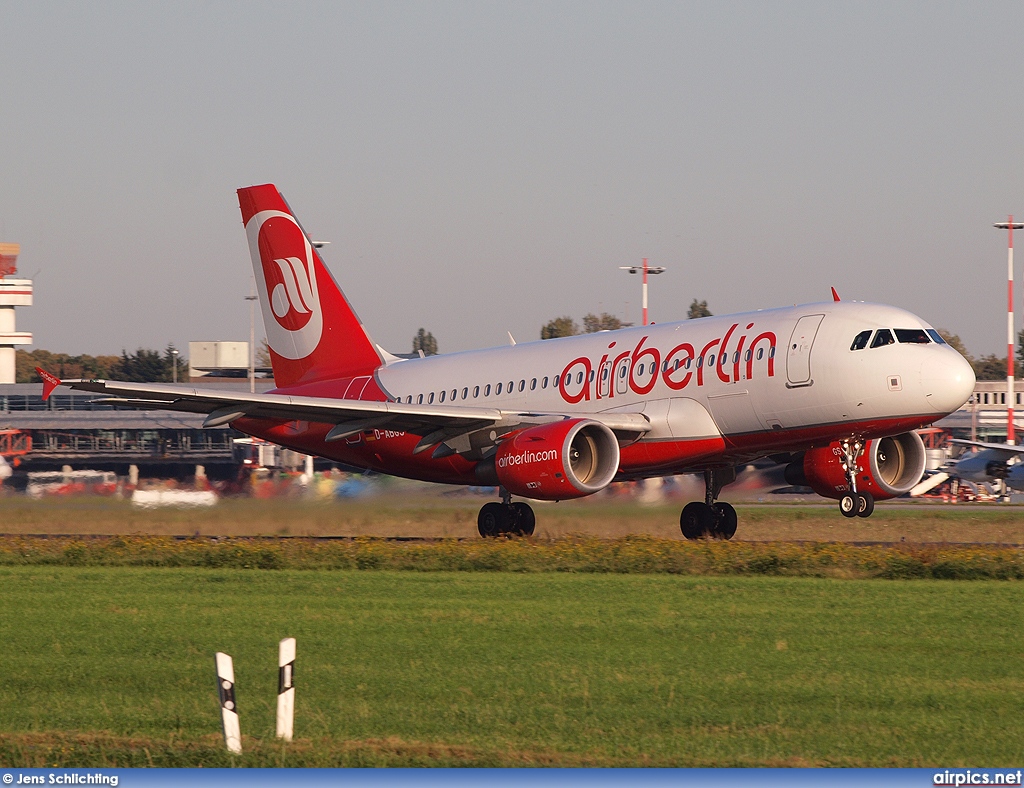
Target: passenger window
<point>419,400</point>
<point>522,385</point>
<point>579,377</point>
<point>544,382</point>
<point>487,390</point>
<point>440,397</point>
<point>700,362</point>
<point>533,384</point>
<point>883,337</point>
<point>430,399</point>
<point>711,360</point>
<point>511,386</point>
<point>936,336</point>
<point>476,392</point>
<point>861,340</point>
<point>746,356</point>
<point>465,393</point>
<point>622,371</point>
<point>912,336</point>
<point>497,389</point>
<point>760,353</point>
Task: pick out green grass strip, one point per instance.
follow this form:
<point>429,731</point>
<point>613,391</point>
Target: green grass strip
<point>629,555</point>
<point>114,666</point>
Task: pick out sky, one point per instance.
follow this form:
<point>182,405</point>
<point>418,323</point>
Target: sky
<point>483,167</point>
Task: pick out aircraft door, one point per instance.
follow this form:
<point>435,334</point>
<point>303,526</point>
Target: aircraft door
<point>604,380</point>
<point>622,376</point>
<point>798,353</point>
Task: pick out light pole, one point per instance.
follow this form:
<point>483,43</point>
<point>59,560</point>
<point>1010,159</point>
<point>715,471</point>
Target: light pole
<point>1009,226</point>
<point>174,365</point>
<point>645,269</point>
<point>251,298</point>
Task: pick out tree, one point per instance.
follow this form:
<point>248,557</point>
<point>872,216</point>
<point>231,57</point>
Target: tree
<point>262,357</point>
<point>143,366</point>
<point>62,365</point>
<point>990,367</point>
<point>698,309</point>
<point>559,327</point>
<point>424,342</point>
<point>956,343</point>
<point>604,322</point>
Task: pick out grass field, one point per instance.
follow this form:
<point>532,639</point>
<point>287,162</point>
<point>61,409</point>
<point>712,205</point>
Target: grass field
<point>108,666</point>
<point>441,516</point>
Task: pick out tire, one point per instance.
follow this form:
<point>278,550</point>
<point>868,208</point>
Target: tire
<point>492,520</point>
<point>848,505</point>
<point>697,521</point>
<point>865,504</point>
<point>725,525</point>
<point>524,521</point>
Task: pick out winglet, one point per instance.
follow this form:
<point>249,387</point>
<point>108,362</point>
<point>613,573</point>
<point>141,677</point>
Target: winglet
<point>50,382</point>
<point>835,295</point>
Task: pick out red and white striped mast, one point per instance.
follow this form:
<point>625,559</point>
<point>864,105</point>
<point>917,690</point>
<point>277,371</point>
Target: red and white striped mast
<point>1009,226</point>
<point>645,269</point>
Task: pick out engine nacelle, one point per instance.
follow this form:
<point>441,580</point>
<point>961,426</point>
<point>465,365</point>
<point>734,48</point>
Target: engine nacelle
<point>555,462</point>
<point>887,468</point>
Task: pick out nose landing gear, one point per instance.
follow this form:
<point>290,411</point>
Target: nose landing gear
<point>853,503</point>
<point>506,518</point>
<point>710,519</point>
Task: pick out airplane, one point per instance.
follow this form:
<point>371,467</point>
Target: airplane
<point>994,463</point>
<point>836,389</point>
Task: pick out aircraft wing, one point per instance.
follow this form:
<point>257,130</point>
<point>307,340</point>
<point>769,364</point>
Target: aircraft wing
<point>436,423</point>
<point>1004,450</point>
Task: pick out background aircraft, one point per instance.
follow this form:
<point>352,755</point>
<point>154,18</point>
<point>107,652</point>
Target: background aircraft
<point>995,462</point>
<point>839,387</point>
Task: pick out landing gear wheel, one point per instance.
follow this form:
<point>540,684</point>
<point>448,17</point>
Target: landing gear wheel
<point>848,505</point>
<point>698,521</point>
<point>865,504</point>
<point>725,527</point>
<point>523,519</point>
<point>492,520</point>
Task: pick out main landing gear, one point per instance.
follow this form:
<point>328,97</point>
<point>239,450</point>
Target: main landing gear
<point>710,519</point>
<point>853,503</point>
<point>506,518</point>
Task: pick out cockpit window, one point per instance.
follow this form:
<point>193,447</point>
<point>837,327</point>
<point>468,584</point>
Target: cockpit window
<point>883,337</point>
<point>912,336</point>
<point>936,336</point>
<point>861,340</point>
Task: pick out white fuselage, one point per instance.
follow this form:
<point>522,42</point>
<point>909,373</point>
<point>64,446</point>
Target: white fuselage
<point>785,370</point>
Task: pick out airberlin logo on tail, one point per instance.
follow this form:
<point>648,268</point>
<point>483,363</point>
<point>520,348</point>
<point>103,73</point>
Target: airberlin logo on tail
<point>282,259</point>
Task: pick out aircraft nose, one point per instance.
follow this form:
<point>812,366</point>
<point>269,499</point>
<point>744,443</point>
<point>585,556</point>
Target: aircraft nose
<point>947,379</point>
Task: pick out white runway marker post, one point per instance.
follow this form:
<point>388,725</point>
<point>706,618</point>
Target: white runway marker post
<point>228,707</point>
<point>286,688</point>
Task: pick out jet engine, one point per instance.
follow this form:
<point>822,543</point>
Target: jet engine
<point>887,468</point>
<point>558,461</point>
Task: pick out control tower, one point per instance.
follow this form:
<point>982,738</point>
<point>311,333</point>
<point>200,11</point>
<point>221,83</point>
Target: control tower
<point>13,292</point>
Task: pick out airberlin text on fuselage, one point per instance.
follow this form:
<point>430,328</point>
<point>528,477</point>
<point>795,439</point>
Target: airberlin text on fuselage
<point>585,379</point>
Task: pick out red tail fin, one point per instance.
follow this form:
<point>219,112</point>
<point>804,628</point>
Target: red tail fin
<point>311,329</point>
